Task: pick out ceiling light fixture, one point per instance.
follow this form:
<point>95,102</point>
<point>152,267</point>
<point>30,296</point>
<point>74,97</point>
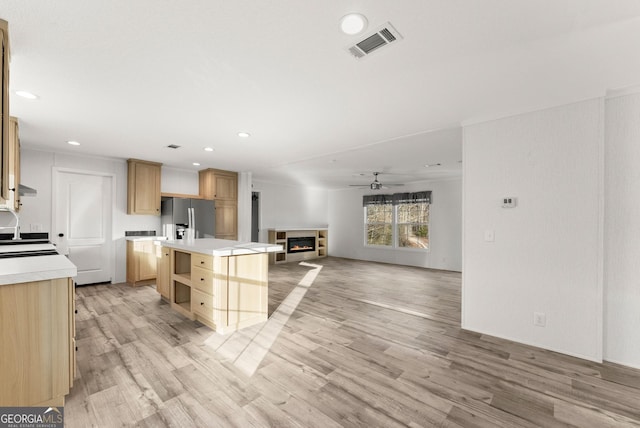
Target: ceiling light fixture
<point>243,134</point>
<point>26,94</point>
<point>208,149</point>
<point>353,23</point>
<point>73,143</point>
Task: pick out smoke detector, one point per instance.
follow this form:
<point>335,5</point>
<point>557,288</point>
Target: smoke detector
<point>382,37</point>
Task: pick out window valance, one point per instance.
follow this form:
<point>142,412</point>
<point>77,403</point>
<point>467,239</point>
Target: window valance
<point>376,200</point>
<point>397,198</point>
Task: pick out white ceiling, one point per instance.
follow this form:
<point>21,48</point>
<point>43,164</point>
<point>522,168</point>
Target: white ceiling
<point>127,78</point>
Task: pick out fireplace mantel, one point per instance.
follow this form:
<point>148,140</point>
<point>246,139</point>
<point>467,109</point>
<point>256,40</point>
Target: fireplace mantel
<point>281,236</point>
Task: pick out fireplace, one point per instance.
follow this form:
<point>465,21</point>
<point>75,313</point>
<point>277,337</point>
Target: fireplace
<point>300,245</point>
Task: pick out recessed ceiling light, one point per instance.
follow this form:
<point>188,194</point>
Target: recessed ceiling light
<point>73,143</point>
<point>26,94</point>
<point>208,149</point>
<point>243,134</point>
<point>196,164</point>
<point>353,23</point>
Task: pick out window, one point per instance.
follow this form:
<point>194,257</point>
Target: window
<point>412,219</point>
<point>379,219</point>
<point>400,220</point>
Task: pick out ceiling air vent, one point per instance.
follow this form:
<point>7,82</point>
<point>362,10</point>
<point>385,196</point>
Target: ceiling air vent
<point>384,36</point>
<point>173,146</point>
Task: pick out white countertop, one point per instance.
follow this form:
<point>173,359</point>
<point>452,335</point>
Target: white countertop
<point>144,238</point>
<point>34,268</point>
<point>220,247</point>
<point>287,229</point>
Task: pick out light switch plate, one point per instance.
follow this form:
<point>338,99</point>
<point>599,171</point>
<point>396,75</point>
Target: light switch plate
<point>489,235</point>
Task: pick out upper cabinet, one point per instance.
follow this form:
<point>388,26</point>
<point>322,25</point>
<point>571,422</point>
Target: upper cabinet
<point>219,184</point>
<point>222,186</point>
<point>14,165</point>
<point>143,187</point>
<point>4,113</point>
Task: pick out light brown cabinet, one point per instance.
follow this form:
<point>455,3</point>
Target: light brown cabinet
<point>226,293</point>
<point>218,184</point>
<point>4,112</point>
<point>226,220</point>
<point>37,330</point>
<point>143,187</point>
<point>141,261</point>
<point>222,186</point>
<point>163,277</point>
<point>14,165</point>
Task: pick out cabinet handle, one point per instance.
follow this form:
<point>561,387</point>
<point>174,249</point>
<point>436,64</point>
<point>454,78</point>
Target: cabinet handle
<point>201,303</point>
<point>201,279</point>
<point>201,262</point>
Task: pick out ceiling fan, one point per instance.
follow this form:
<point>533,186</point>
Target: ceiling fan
<point>375,185</point>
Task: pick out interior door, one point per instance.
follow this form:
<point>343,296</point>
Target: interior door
<point>82,207</point>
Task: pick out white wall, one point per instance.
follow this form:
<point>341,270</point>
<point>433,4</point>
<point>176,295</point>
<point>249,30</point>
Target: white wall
<point>181,181</point>
<point>622,230</point>
<point>286,207</point>
<point>547,253</point>
<point>346,232</point>
<point>36,172</point>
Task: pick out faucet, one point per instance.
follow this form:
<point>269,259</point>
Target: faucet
<point>16,228</point>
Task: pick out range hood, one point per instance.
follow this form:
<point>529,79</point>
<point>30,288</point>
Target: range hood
<point>26,191</point>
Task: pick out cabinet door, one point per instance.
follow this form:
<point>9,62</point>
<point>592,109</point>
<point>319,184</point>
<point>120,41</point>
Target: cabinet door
<point>143,189</point>
<point>35,319</point>
<point>163,280</point>
<point>14,164</point>
<point>226,219</point>
<point>148,264</point>
<point>4,111</point>
<point>218,184</point>
<point>226,186</point>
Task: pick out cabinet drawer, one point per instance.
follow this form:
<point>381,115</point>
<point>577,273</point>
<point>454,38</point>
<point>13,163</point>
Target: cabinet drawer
<point>202,304</point>
<point>201,260</point>
<point>202,279</point>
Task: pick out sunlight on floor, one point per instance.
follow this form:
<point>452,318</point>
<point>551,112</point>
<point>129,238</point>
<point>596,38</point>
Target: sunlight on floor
<point>247,347</point>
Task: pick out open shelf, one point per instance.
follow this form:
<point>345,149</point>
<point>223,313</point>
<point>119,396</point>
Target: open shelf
<point>182,295</point>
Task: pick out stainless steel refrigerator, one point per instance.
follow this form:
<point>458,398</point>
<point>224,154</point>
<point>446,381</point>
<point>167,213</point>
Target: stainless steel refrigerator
<point>180,214</point>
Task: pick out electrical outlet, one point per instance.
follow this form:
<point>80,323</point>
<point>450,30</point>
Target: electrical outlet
<point>539,319</point>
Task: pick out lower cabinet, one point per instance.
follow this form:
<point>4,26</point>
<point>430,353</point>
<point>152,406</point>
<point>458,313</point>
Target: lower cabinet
<point>141,261</point>
<point>37,333</point>
<point>226,293</point>
<point>163,277</point>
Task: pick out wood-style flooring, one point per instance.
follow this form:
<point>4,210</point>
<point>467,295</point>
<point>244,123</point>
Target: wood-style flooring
<point>359,344</point>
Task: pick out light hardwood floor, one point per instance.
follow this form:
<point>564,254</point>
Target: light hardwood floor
<point>362,344</point>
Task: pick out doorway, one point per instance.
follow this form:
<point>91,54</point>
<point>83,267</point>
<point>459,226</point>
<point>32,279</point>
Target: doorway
<point>255,216</point>
<point>81,224</point>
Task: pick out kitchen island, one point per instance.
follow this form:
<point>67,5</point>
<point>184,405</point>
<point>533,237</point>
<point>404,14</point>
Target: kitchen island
<point>37,324</point>
<point>221,283</point>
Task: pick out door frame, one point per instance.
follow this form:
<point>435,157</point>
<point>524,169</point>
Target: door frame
<point>54,199</point>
